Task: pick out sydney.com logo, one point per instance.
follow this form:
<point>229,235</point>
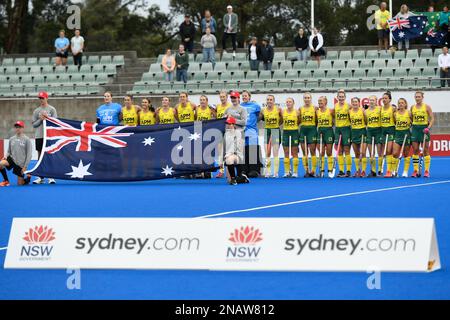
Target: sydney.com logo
<point>38,241</point>
<point>245,245</point>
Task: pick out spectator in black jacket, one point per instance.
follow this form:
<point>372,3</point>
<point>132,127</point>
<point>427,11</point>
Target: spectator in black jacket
<point>301,44</point>
<point>187,33</point>
<point>267,55</point>
<point>254,54</point>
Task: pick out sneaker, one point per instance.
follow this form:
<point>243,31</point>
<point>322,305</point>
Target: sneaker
<point>27,179</point>
<point>380,173</point>
<point>245,178</point>
<point>363,174</point>
<point>348,174</point>
<point>405,175</point>
<point>233,182</point>
<point>322,174</point>
<point>287,175</point>
<point>426,174</point>
<point>38,181</point>
<point>294,175</point>
<point>225,51</point>
<point>341,174</point>
<point>388,174</point>
<point>4,184</point>
<point>330,174</point>
<point>372,174</point>
<point>312,174</point>
<point>357,174</point>
<point>307,175</point>
<point>234,54</point>
<point>51,181</point>
<point>415,174</point>
<point>275,176</point>
<point>219,175</point>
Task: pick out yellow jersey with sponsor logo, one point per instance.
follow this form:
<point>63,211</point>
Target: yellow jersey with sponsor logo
<point>271,118</point>
<point>167,117</point>
<point>186,113</point>
<point>419,115</point>
<point>387,117</point>
<point>402,121</point>
<point>147,118</point>
<point>308,116</point>
<point>204,114</point>
<point>130,116</point>
<point>221,110</point>
<point>357,120</point>
<point>373,117</point>
<point>290,120</point>
<point>341,115</point>
<point>324,119</point>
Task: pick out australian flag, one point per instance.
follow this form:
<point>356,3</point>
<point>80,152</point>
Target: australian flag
<point>409,28</point>
<point>435,37</point>
<point>87,151</point>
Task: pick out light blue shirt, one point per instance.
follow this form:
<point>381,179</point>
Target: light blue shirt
<point>109,114</point>
<point>251,129</point>
<point>61,42</point>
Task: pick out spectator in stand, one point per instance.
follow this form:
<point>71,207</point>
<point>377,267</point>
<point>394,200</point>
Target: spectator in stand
<point>62,48</point>
<point>267,54</point>
<point>301,44</point>
<point>404,14</point>
<point>316,45</point>
<point>182,63</point>
<point>187,33</point>
<point>209,43</point>
<point>209,22</point>
<point>168,64</point>
<point>444,65</point>
<point>77,46</point>
<point>430,9</point>
<point>230,22</point>
<point>381,19</point>
<point>444,19</point>
<point>254,54</point>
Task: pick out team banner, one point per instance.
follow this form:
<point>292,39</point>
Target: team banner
<point>297,244</point>
<point>86,151</point>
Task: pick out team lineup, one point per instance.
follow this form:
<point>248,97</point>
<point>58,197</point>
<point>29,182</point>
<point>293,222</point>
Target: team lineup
<point>386,133</point>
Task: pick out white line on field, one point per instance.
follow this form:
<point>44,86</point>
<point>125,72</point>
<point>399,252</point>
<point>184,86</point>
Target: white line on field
<point>321,198</point>
<point>1,249</point>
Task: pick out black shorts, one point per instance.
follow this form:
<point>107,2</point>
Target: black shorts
<point>15,168</point>
<point>39,144</point>
<point>383,34</point>
<point>64,54</point>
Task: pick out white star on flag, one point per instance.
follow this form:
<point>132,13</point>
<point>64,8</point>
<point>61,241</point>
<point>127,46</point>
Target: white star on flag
<point>194,136</point>
<point>180,147</point>
<point>148,141</point>
<point>401,34</point>
<point>179,128</point>
<point>167,171</point>
<point>79,172</point>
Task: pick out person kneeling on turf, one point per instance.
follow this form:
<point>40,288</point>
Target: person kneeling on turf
<point>18,156</point>
<point>234,140</point>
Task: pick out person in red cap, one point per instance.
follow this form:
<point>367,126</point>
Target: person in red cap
<point>235,139</point>
<point>18,157</point>
<point>39,114</point>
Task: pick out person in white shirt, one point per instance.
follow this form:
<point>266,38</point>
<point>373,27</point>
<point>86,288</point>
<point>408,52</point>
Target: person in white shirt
<point>316,45</point>
<point>444,67</point>
<point>254,54</point>
<point>77,46</point>
<point>404,14</point>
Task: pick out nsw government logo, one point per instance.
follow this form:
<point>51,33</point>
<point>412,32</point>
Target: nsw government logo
<point>38,245</point>
<point>245,246</point>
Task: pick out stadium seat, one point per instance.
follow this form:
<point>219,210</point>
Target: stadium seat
<point>271,86</point>
<point>166,87</point>
<point>312,85</point>
<point>29,89</point>
<point>51,78</point>
<point>426,53</point>
<point>372,54</point>
<point>38,79</point>
<point>395,84</point>
<point>279,56</point>
<point>10,71</point>
<point>204,87</point>
<point>207,67</point>
<point>319,74</point>
<point>359,74</point>
<point>423,84</point>
<point>213,76</point>
<point>241,56</point>
<point>284,86</point>
<point>155,67</point>
<point>90,79</point>
<point>332,55</point>
<point>393,64</point>
<point>385,55</point>
<point>199,76</point>
<point>13,79</point>
<point>32,61</point>
<point>379,64</point>
<point>239,75</point>
<point>346,74</point>
<point>229,86</point>
<point>345,55</point>
<point>93,60</point>
<point>381,85</point>
<point>359,55</point>
<point>85,69</point>
<point>119,61</point>
<point>409,84</point>
<point>47,69</point>
<point>339,64</point>
<point>19,62</point>
<point>428,73</point>
<point>252,75</point>
<point>60,69</point>
<point>279,75</point>
<point>305,74</point>
<point>415,73</point>
<point>72,69</point>
<point>265,75</point>
<point>8,62</point>
<point>97,68</point>
<point>292,74</point>
<point>333,74</point>
<point>102,78</point>
<point>292,55</point>
<point>399,55</point>
<point>159,76</point>
<point>326,84</point>
<point>76,78</point>
<point>421,63</point>
<point>373,74</point>
<point>366,64</point>
<point>233,66</point>
<point>226,76</point>
<point>105,60</point>
<point>311,65</point>
<point>353,64</point>
<point>159,59</point>
<point>220,66</point>
<point>227,57</point>
<point>146,78</point>
<point>64,78</point>
<point>245,85</point>
<point>285,65</point>
<point>299,65</point>
<point>356,85</point>
<point>412,54</point>
<point>178,87</point>
<point>110,69</point>
<point>218,86</point>
<point>325,64</point>
<point>44,61</point>
<point>407,63</point>
<point>22,70</point>
<point>401,73</point>
<point>26,79</point>
<point>435,83</point>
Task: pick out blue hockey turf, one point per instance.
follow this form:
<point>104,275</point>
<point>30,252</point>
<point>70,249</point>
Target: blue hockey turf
<point>195,198</point>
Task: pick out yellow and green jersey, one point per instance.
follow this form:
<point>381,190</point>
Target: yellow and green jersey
<point>186,113</point>
<point>130,116</point>
<point>419,115</point>
<point>221,110</point>
<point>387,117</point>
<point>308,116</point>
<point>271,118</point>
<point>147,118</point>
<point>324,119</point>
<point>290,120</point>
<point>204,114</point>
<point>357,119</point>
<point>402,121</point>
<point>341,115</point>
<point>167,117</point>
<point>373,117</point>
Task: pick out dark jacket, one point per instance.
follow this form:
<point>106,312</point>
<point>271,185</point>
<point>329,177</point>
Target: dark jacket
<point>258,52</point>
<point>301,43</point>
<point>267,53</point>
<point>182,60</point>
<point>187,31</point>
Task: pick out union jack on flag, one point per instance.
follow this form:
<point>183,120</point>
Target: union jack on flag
<point>398,23</point>
<point>64,134</point>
